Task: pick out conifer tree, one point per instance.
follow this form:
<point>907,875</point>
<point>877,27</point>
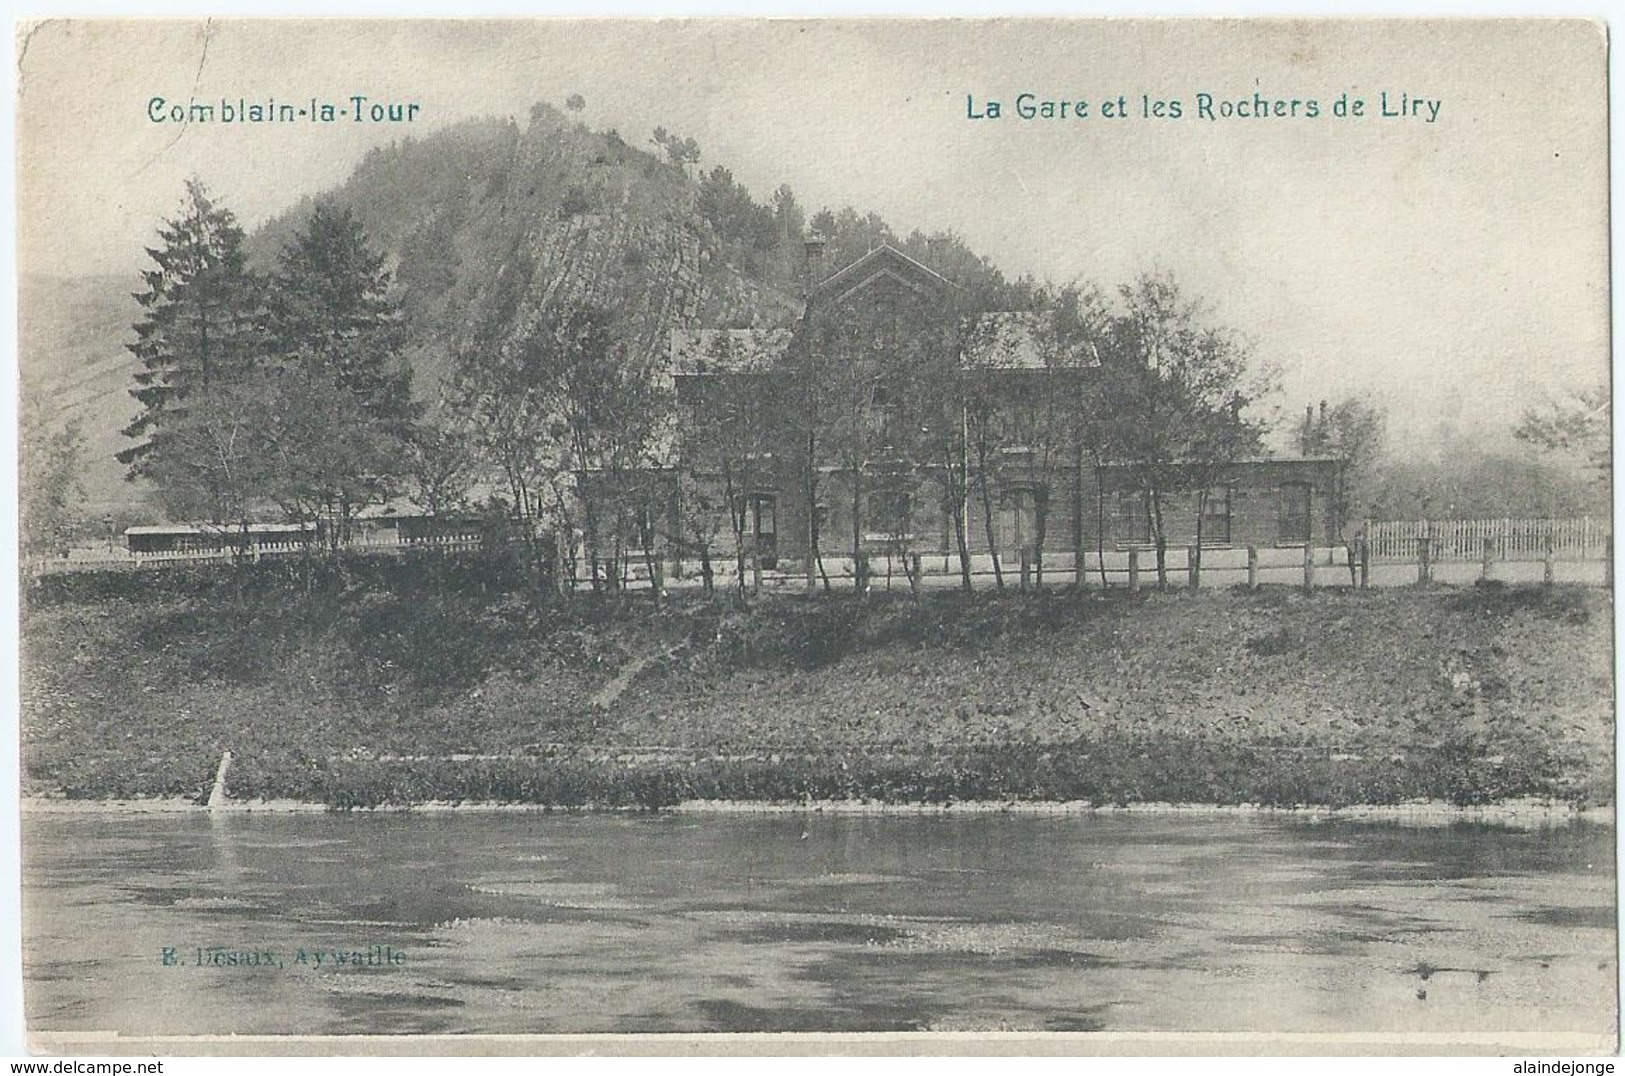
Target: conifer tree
<point>330,314</point>
<point>198,329</point>
<point>343,401</point>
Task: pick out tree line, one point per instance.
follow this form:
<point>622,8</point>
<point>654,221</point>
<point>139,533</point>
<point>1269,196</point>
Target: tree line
<point>287,392</point>
<point>284,390</point>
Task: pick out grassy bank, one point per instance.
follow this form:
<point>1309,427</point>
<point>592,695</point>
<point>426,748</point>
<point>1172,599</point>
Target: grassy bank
<point>400,683</point>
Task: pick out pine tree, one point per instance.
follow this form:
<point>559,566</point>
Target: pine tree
<point>344,402</point>
<point>331,315</point>
<point>201,304</point>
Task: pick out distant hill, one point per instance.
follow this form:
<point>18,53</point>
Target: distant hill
<point>483,224</point>
<point>70,322</point>
<point>74,368</point>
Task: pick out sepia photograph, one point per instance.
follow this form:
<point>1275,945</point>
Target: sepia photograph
<point>1064,536</point>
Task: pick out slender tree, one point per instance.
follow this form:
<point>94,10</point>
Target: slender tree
<point>1062,409</point>
<point>1175,390</point>
<point>50,485</point>
<point>216,467</point>
<point>1353,431</point>
<point>944,385</point>
<point>847,396</point>
<point>504,395</point>
<point>731,426</point>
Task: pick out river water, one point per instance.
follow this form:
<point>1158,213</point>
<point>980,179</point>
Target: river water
<point>539,923</point>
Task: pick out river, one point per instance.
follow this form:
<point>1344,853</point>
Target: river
<point>539,923</point>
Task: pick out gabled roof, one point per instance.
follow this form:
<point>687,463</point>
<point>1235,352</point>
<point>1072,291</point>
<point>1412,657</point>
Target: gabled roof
<point>999,340</point>
<point>885,261</point>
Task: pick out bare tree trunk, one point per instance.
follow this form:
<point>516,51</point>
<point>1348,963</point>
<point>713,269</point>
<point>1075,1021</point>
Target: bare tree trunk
<point>1040,532</point>
<point>815,560</point>
<point>590,536</point>
<point>963,541</point>
<point>737,507</point>
<point>1161,539</point>
<point>1080,565</point>
<point>1100,525</point>
<point>651,555</point>
<point>860,564</point>
<point>987,515</point>
<point>1196,552</point>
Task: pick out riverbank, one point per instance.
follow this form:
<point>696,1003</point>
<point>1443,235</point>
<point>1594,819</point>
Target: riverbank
<point>407,690</point>
<point>1517,814</point>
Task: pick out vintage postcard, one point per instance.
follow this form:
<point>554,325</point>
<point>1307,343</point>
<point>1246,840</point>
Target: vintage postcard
<point>1067,536</point>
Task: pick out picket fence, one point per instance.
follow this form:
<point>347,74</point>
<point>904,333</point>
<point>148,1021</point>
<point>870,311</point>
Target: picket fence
<point>1509,539</point>
<point>1386,542</point>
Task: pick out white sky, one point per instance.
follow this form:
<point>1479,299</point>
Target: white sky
<point>1453,269</point>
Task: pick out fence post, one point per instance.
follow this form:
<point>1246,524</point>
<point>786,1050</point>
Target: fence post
<point>1252,567</point>
<point>1424,560</point>
<point>1193,566</point>
<point>1550,575</point>
<point>1134,571</point>
<point>1308,567</point>
<point>1487,556</point>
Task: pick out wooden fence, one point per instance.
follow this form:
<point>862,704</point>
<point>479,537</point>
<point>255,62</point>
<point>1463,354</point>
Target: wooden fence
<point>224,551</point>
<point>1431,546</point>
<point>1510,539</point>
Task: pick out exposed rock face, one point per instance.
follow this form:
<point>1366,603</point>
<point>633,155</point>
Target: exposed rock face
<point>487,224</point>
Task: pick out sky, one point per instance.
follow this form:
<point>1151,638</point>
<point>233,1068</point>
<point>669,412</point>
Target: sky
<point>1451,265</point>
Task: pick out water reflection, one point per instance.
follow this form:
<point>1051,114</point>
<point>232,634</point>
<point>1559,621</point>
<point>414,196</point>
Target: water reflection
<point>585,923</point>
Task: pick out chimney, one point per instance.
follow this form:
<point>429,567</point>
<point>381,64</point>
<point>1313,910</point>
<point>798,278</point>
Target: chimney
<point>1308,437</point>
<point>814,247</point>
